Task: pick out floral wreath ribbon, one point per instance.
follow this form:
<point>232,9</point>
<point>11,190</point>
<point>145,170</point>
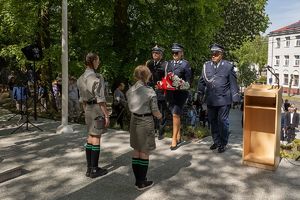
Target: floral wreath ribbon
<point>172,82</point>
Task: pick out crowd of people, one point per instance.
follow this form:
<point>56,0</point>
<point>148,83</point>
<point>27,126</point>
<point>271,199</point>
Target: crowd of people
<point>21,88</point>
<point>149,105</point>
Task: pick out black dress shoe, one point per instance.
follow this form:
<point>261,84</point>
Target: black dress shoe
<point>160,137</point>
<point>144,185</point>
<point>88,172</point>
<point>213,146</point>
<point>221,149</point>
<point>173,148</point>
<point>96,172</point>
<point>179,142</point>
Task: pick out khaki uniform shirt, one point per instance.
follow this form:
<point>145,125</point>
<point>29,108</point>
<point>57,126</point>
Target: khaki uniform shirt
<point>141,99</point>
<point>91,87</point>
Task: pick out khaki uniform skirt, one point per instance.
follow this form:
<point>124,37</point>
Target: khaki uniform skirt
<point>92,111</point>
<point>142,136</point>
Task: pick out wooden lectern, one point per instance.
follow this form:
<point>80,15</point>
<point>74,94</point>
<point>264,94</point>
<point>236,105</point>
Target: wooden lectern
<point>262,124</point>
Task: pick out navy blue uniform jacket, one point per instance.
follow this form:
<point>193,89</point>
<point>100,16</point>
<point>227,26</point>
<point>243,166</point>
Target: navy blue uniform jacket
<point>219,85</point>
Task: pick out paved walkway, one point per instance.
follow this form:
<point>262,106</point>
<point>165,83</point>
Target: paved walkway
<point>55,166</point>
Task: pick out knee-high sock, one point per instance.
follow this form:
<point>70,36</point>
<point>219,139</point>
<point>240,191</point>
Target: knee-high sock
<point>135,168</point>
<point>88,154</point>
<point>95,155</point>
<point>143,168</point>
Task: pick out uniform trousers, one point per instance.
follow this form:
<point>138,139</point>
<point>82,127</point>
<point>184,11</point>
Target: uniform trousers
<point>290,133</point>
<point>218,118</point>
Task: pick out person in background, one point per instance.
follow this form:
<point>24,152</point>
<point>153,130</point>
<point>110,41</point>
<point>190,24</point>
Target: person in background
<point>57,94</point>
<point>11,83</point>
<point>20,94</point>
<point>59,91</point>
<point>142,103</point>
<point>192,114</point>
<point>73,101</point>
<point>42,96</point>
<point>291,123</point>
<point>286,105</point>
<point>119,103</point>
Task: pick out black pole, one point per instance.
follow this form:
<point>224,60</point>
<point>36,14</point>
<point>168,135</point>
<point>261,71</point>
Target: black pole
<point>272,71</point>
<point>34,92</point>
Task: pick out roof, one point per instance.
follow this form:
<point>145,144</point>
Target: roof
<point>290,29</point>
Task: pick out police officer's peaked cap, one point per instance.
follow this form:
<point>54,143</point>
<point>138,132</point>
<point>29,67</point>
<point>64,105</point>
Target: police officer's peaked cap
<point>177,47</point>
<point>216,47</point>
<point>156,48</point>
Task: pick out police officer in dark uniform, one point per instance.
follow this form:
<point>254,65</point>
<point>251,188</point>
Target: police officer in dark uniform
<point>157,67</point>
<point>177,98</point>
<point>219,82</point>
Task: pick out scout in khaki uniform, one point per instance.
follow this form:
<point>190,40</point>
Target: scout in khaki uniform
<point>91,91</point>
<point>142,103</point>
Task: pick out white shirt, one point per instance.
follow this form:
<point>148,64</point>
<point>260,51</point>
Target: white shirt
<point>292,114</point>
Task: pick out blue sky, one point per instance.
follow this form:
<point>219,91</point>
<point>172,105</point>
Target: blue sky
<point>282,13</point>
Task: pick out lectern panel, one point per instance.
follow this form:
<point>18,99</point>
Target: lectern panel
<point>260,101</point>
<point>260,120</point>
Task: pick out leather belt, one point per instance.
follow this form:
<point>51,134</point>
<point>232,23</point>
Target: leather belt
<point>143,115</point>
<point>91,102</point>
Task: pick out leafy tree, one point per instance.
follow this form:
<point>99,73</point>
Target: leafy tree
<point>253,52</point>
<point>123,31</point>
<point>246,75</point>
<point>243,21</point>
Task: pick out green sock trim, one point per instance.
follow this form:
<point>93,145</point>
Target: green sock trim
<point>96,148</point>
<point>88,146</point>
<point>135,161</point>
<point>143,162</point>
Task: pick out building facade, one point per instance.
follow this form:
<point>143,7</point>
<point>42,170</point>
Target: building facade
<point>284,57</point>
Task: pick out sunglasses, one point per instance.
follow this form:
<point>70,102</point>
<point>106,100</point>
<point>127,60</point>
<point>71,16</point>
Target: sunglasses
<point>215,53</point>
<point>175,53</point>
<point>155,52</point>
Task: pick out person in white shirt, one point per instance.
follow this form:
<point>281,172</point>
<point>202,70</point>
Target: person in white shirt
<point>291,123</point>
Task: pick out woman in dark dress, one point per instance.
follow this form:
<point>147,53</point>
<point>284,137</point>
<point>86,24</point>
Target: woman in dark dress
<point>177,98</point>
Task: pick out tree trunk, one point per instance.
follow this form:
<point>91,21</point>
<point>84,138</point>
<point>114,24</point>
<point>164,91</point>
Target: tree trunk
<point>45,41</point>
<point>121,30</point>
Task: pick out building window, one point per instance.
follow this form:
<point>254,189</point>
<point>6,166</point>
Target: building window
<point>298,41</point>
<point>286,60</point>
<point>276,80</point>
<point>277,42</point>
<point>287,41</point>
<point>296,80</point>
<point>297,60</point>
<point>285,79</point>
<point>277,60</point>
